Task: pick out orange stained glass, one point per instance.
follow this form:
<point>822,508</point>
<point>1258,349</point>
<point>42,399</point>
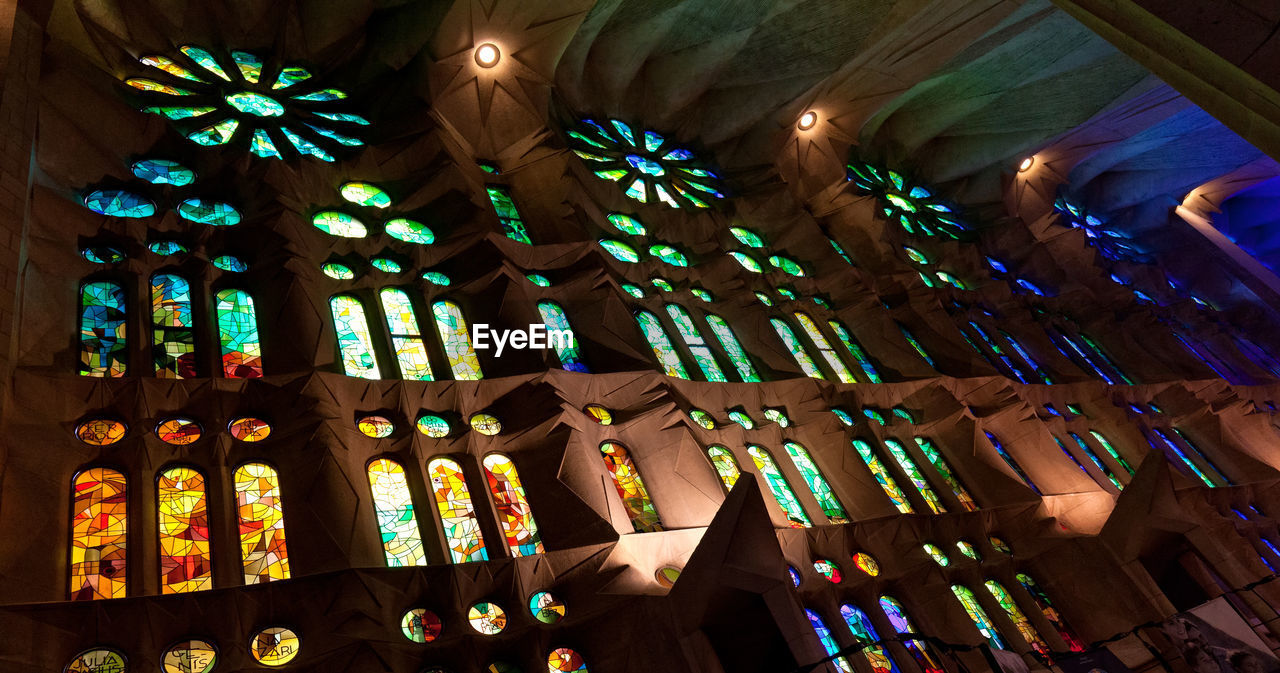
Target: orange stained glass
<point>178,431</point>
<point>514,512</point>
<point>184,531</point>
<point>261,515</point>
<point>457,513</point>
<point>249,429</point>
<point>98,528</point>
<point>635,497</point>
<point>101,431</point>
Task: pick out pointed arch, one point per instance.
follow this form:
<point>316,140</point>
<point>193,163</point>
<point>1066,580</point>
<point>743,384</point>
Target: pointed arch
<point>729,342</point>
<point>173,327</point>
<point>261,515</point>
<point>355,342</point>
<point>103,328</point>
<point>1012,462</point>
<point>817,483</point>
<point>782,492</point>
<point>855,349</point>
<point>824,347</point>
<point>668,357</point>
<point>1051,613</point>
<point>514,512</point>
<point>184,531</point>
<point>631,488</point>
<point>99,524</point>
<point>452,326</point>
<point>561,337</point>
<point>406,336</point>
<point>238,332</point>
<point>397,519</point>
<point>457,513</point>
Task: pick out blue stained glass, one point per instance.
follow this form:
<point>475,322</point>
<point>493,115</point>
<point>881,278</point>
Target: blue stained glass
<point>1031,287</point>
<point>624,130</point>
<point>262,145</point>
<point>996,264</point>
<point>306,147</point>
<point>560,336</point>
<point>1012,463</point>
<point>205,59</point>
<point>167,248</point>
<point>291,75</point>
<point>678,154</point>
<point>216,134</point>
<point>205,211</point>
<point>103,254</point>
<point>250,65</point>
<point>652,141</point>
<point>324,95</point>
<point>103,327</point>
<point>829,644</point>
<point>119,203</point>
<point>409,231</point>
<point>255,104</point>
<point>163,172</point>
<point>334,135</point>
<point>343,117</point>
<point>230,263</point>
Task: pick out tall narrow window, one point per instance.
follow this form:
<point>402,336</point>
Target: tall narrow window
<point>184,531</point>
<point>1205,470</point>
<point>908,465</point>
<point>911,339</point>
<point>816,482</point>
<point>860,626</point>
<point>668,358</point>
<point>452,327</point>
<point>457,513</point>
<point>238,332</point>
<point>829,644</point>
<point>728,341</point>
<point>796,349</point>
<point>1012,463</point>
<point>919,649</point>
<point>999,352</point>
<point>261,513</point>
<point>1097,462</point>
<point>174,343</point>
<point>635,497</point>
<point>882,476</point>
<point>98,528</point>
<point>944,469</point>
<point>978,615</point>
<point>1051,613</point>
<point>778,485</point>
<point>512,224</point>
<point>1200,454</point>
<point>355,343</point>
<point>1029,632</point>
<point>1026,357</point>
<point>1102,355</point>
<point>514,513</point>
<point>697,345</point>
<point>855,349</point>
<point>397,523</point>
<point>1111,451</point>
<point>726,465</point>
<point>824,347</point>
<point>103,349</point>
<point>561,337</point>
<point>406,335</point>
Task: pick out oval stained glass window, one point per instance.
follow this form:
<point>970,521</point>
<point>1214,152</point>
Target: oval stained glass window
<point>163,172</point>
<point>166,248</point>
<point>538,279</point>
<point>662,284</point>
<point>828,569</point>
<point>486,424</point>
<point>749,263</point>
<point>764,299</point>
<point>249,429</point>
<point>230,263</point>
<point>103,254</point>
<point>747,237</point>
<point>101,431</point>
<point>999,545</point>
<point>702,294</point>
<point>97,660</point>
<point>703,419</point>
<point>843,416</point>
<point>433,426</point>
<point>409,231</point>
<point>915,255</point>
<point>204,211</point>
<point>565,660</point>
<point>633,290</point>
<point>274,646</point>
<point>866,563</point>
<point>421,625</point>
<point>339,224</point>
<point>626,224</point>
<point>190,656</point>
<point>669,255</point>
<point>620,251</point>
<point>599,414</point>
<point>936,554</point>
<point>546,608</point>
<point>741,418</point>
<point>119,203</point>
<point>365,194</point>
<point>179,431</point>
<point>787,265</point>
<point>968,550</point>
<point>376,426</point>
<point>777,416</point>
<point>487,618</point>
<point>386,265</point>
<point>337,271</point>
<point>667,576</point>
<point>436,278</point>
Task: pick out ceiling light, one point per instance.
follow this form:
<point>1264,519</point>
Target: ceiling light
<point>807,120</point>
<point>487,55</point>
<point>1026,164</point>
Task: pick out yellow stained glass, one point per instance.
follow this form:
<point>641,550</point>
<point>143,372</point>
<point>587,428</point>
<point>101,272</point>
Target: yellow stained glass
<point>261,517</point>
<point>453,500</point>
<point>98,528</point>
<point>397,524</point>
<point>457,341</point>
<point>184,531</point>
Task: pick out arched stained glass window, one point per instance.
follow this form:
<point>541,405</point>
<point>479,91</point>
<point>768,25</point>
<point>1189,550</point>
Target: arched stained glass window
<point>397,523</point>
<point>635,497</point>
<point>824,347</point>
<point>726,465</point>
<point>908,465</point>
<point>921,651</point>
<point>514,513</point>
<point>457,341</point>
<point>103,328</point>
<point>816,482</point>
<point>174,343</point>
<point>829,644</point>
<point>1012,463</point>
<point>406,335</point>
<point>560,336</point>
<point>778,485</point>
<point>855,349</point>
<point>978,615</point>
<point>882,476</point>
<point>862,629</point>
<point>98,528</point>
<point>355,343</point>
<point>697,345</point>
<point>1051,613</point>
<point>238,332</point>
<point>261,515</point>
<point>944,469</point>
<point>796,349</point>
<point>512,224</point>
<point>184,531</point>
<point>1029,632</point>
<point>668,358</point>
<point>453,500</point>
<point>729,341</point>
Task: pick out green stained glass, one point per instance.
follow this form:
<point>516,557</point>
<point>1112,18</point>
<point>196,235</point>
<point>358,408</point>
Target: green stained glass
<point>787,265</point>
<point>620,251</point>
<point>119,203</point>
<point>433,426</point>
<point>701,294</point>
<point>864,632</point>
<point>176,113</point>
<point>824,347</point>
<point>337,271</point>
<point>999,545</point>
<point>702,354</point>
<point>339,224</point>
<point>322,96</point>
<point>940,464</point>
<point>843,416</point>
<point>787,292</point>
<point>916,345</point>
<point>855,349</point>
<point>747,261</point>
<point>978,615</point>
<point>103,254</point>
<point>626,224</point>
<point>355,344</point>
<point>386,265</point>
<point>452,327</point>
<point>764,299</point>
<point>167,248</point>
<point>662,284</point>
<point>238,332</point>
<point>633,290</point>
<point>205,59</point>
<point>1028,632</point>
<point>103,327</point>
<point>747,237</point>
<point>1050,612</point>
<point>346,117</point>
<point>306,147</point>
<point>174,344</point>
<point>1111,450</point>
<point>903,414</point>
<point>512,225</point>
<point>409,231</point>
<point>968,549</point>
<point>538,279</point>
<point>777,416</point>
<point>669,255</point>
<point>262,145</point>
<point>1097,461</point>
<point>365,194</point>
<point>703,419</point>
<point>840,251</point>
<point>163,172</point>
<point>169,66</point>
<point>874,415</point>
<point>462,530</point>
<point>291,75</point>
<point>560,336</point>
<point>821,302</point>
<point>209,212</point>
<point>725,464</point>
<point>782,493</point>
<point>436,278</point>
<point>741,418</point>
<point>816,482</point>
<point>406,336</point>
<point>255,104</point>
<point>729,342</point>
<point>908,465</point>
<point>882,476</point>
<point>340,138</point>
<point>915,255</point>
<point>216,134</point>
<point>797,350</point>
<point>635,497</point>
<point>936,553</point>
<point>393,506</point>
<point>668,358</point>
<point>230,263</point>
<point>951,280</point>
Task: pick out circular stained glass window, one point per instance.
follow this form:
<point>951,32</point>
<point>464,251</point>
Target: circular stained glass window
<point>828,569</point>
<point>486,424</point>
<point>649,167</point>
<point>97,660</point>
<point>101,431</point>
<point>274,646</point>
<point>599,414</point>
<point>487,618</point>
<point>249,429</point>
<point>421,625</point>
<point>376,426</point>
<point>866,563</point>
<point>546,608</point>
<point>703,419</point>
<point>179,431</point>
<point>667,576</point>
<point>565,660</point>
<point>190,656</point>
<point>433,426</point>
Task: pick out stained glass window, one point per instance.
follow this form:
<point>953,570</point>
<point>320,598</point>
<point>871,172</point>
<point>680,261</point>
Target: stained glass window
<point>668,358</point>
<point>916,208</point>
<point>485,424</point>
<point>662,284</point>
<point>365,194</point>
<point>376,427</point>
<point>1111,451</point>
<point>119,203</point>
<point>635,497</point>
<point>249,429</point>
<point>940,464</point>
<point>906,334</point>
<point>337,271</point>
<point>339,224</point>
<point>703,419</point>
<point>98,534</point>
<point>1182,456</point>
<point>163,172</point>
<point>855,349</point>
<point>101,431</point>
<point>184,531</point>
<point>824,347</point>
<point>741,418</point>
<point>829,644</point>
<point>386,264</point>
<point>669,254</point>
<point>935,552</point>
<point>1019,620</point>
<point>787,265</point>
<point>103,349</point>
<point>406,336</point>
<point>188,656</point>
<point>1012,463</point>
<point>174,349</point>
<point>777,416</point>
<point>397,523</point>
<point>729,341</point>
<point>421,625</point>
<point>796,349</point>
<point>1093,457</point>
<point>561,337</point>
<point>261,515</point>
<point>747,237</point>
<point>565,660</point>
<point>103,254</point>
<point>229,263</point>
<point>626,224</point>
<point>452,327</point>
<point>697,345</point>
<point>166,248</point>
<point>633,290</point>
<point>882,476</point>
<point>274,646</point>
<point>908,465</point>
<point>514,513</point>
<point>512,224</point>
<point>968,549</point>
<point>860,626</point>
<point>844,416</point>
<point>725,464</point>
<point>828,569</point>
<point>782,493</point>
<point>647,165</point>
<point>620,251</point>
<point>1051,613</point>
<point>453,499</point>
<point>97,660</point>
<point>205,211</point>
<point>546,608</point>
<point>866,563</point>
<point>433,426</point>
<point>978,615</point>
<point>178,431</point>
<point>238,332</point>
<point>816,482</point>
<point>921,651</point>
<point>410,231</point>
<point>748,262</point>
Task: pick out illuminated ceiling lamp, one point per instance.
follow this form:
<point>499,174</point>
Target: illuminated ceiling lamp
<point>1026,164</point>
<point>488,55</point>
<point>807,120</point>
